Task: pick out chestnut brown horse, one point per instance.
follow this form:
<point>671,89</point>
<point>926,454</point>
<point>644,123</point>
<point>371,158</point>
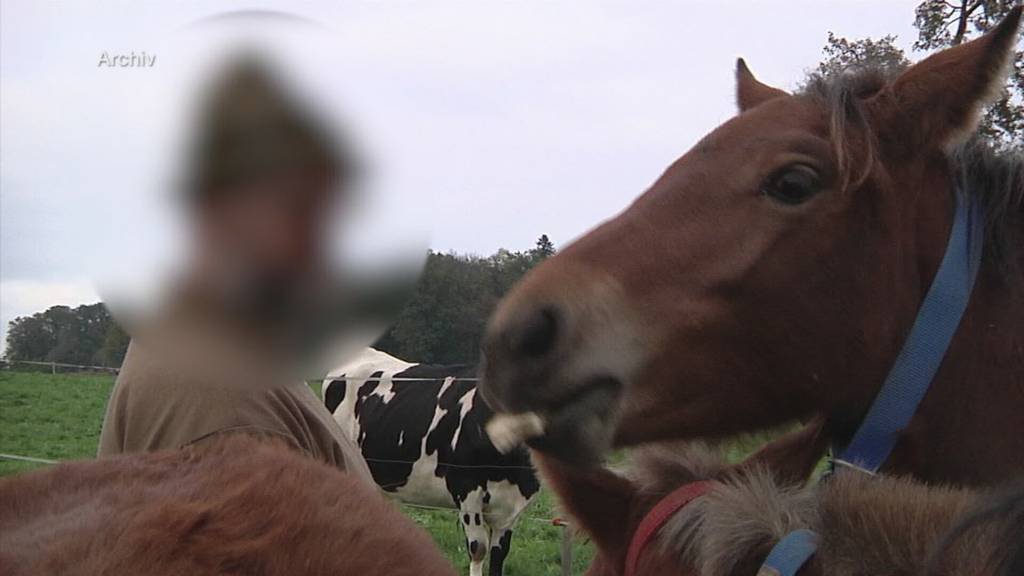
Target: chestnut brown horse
<point>236,506</point>
<point>609,507</point>
<point>882,526</point>
<point>774,272</point>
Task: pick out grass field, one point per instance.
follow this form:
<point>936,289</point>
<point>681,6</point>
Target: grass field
<point>58,417</point>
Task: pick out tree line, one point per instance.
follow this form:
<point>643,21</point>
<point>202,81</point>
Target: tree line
<point>442,322</point>
<point>85,335</point>
<point>943,24</point>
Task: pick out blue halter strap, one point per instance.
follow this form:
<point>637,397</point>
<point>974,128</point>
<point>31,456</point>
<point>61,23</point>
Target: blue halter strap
<point>926,346</point>
<point>790,554</point>
<point>911,374</point>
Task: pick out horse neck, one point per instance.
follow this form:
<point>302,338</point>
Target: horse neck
<point>599,501</point>
<point>958,434</point>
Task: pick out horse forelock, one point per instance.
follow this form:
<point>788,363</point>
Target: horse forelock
<point>732,528</point>
<point>738,520</point>
<point>843,97</point>
<point>995,176</point>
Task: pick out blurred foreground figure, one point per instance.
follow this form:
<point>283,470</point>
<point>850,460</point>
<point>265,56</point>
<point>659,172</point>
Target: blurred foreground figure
<point>232,506</point>
<point>223,355</point>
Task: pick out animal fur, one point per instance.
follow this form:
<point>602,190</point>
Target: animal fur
<point>868,525</point>
<point>236,506</point>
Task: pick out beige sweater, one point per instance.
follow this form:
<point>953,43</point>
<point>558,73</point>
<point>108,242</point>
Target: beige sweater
<point>191,381</point>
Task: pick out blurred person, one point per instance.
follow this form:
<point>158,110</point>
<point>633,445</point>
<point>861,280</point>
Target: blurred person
<point>221,357</point>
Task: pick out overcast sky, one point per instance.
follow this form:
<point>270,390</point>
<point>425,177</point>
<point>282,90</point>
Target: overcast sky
<point>486,123</point>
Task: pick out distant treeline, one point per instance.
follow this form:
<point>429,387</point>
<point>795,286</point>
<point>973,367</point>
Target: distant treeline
<point>442,322</point>
<point>84,335</point>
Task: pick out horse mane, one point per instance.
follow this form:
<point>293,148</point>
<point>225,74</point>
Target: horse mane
<point>994,176</point>
<point>734,526</point>
<point>1006,507</point>
<point>717,539</point>
<point>658,469</point>
<point>893,525</point>
<point>997,179</point>
<point>1013,561</point>
<point>867,524</point>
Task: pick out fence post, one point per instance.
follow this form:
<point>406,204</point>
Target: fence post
<point>566,550</point>
<point>53,367</point>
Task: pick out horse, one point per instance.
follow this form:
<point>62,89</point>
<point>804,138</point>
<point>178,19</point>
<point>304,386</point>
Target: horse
<point>424,442</point>
<point>876,525</point>
<point>774,272</point>
<point>232,505</point>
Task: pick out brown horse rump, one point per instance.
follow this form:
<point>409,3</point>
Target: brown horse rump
<point>235,505</point>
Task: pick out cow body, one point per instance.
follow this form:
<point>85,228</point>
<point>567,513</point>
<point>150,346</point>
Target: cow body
<point>425,444</point>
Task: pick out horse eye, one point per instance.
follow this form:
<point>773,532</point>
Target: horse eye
<point>793,185</point>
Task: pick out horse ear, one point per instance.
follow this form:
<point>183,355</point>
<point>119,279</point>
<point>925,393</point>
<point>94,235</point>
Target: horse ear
<point>939,100</point>
<point>749,90</point>
<point>597,498</point>
<point>792,457</point>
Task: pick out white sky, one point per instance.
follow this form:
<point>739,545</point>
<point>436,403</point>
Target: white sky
<point>487,123</point>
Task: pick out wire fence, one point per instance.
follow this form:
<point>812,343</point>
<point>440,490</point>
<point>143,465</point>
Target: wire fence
<point>557,521</point>
<point>17,458</point>
<point>566,550</point>
<point>55,367</point>
<point>399,378</point>
<point>451,465</point>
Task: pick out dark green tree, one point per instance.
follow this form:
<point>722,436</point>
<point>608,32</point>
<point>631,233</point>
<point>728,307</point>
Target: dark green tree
<point>115,345</point>
<point>842,54</point>
<point>444,320</point>
<point>30,338</point>
<point>543,249</point>
<point>84,335</point>
<point>944,23</point>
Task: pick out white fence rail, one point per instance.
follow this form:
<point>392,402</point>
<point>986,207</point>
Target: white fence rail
<point>53,366</point>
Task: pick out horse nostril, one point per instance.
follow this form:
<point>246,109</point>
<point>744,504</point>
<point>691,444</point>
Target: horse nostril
<point>539,333</point>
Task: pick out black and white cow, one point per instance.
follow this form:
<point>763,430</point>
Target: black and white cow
<point>425,444</point>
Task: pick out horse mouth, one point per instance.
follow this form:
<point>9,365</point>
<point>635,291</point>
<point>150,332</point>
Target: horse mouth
<point>576,428</point>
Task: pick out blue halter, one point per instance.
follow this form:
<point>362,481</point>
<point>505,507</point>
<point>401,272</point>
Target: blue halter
<point>911,374</point>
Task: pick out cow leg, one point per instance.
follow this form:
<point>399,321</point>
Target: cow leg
<point>501,540</point>
<point>503,502</point>
<point>477,533</point>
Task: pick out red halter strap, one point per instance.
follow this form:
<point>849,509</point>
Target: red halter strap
<point>656,518</point>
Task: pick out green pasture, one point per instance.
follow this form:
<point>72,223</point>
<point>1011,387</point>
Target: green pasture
<point>58,417</point>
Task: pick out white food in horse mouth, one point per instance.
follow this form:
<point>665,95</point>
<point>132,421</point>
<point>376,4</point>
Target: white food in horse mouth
<point>510,430</point>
